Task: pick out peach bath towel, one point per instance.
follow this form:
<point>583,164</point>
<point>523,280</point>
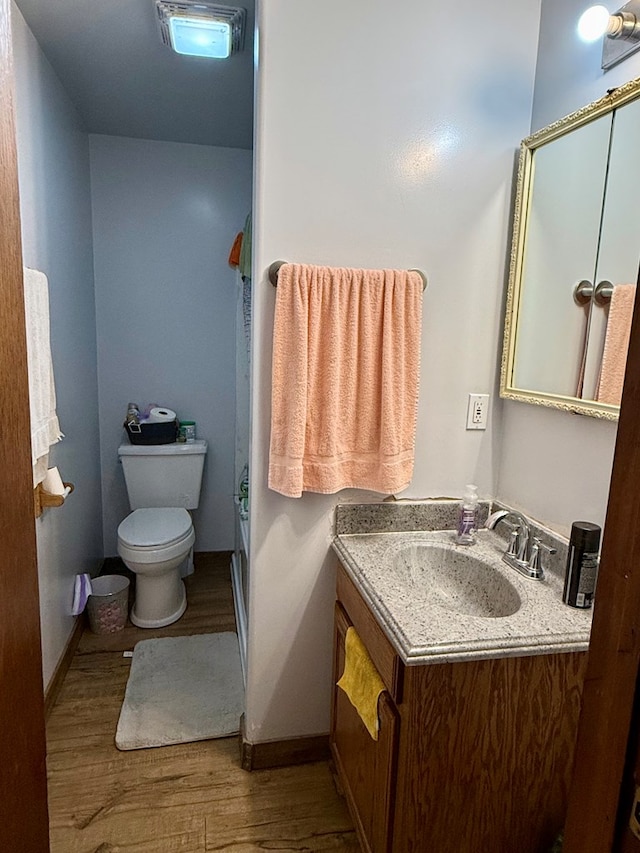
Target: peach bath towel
<point>616,344</point>
<point>346,357</point>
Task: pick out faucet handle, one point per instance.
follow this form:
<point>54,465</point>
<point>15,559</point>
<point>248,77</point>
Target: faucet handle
<point>535,563</point>
<point>514,534</point>
<point>523,544</point>
<point>514,537</point>
<point>518,542</point>
<point>543,545</point>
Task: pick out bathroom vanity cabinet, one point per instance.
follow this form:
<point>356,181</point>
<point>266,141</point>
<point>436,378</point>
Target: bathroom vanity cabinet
<point>472,756</point>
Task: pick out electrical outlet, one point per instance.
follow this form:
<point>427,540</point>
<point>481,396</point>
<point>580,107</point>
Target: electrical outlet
<point>477,411</point>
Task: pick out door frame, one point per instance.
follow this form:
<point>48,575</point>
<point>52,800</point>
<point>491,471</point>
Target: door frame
<point>24,826</point>
<point>614,651</point>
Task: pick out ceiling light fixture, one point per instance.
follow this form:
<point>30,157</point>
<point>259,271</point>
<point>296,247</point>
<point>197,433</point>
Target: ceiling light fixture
<point>621,30</point>
<point>201,28</point>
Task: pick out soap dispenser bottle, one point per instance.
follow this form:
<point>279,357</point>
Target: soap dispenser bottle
<point>468,517</point>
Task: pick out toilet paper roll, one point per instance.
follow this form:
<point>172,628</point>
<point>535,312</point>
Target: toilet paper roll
<point>52,483</point>
<point>159,415</point>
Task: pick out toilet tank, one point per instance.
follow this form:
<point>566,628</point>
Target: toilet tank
<point>163,474</point>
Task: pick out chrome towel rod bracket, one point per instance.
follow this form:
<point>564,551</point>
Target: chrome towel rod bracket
<point>583,292</point>
<point>274,268</point>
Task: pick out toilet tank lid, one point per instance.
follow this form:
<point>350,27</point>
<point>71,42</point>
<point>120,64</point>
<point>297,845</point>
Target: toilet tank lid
<point>176,449</point>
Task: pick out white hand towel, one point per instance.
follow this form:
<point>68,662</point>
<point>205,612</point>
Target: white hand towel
<point>45,429</point>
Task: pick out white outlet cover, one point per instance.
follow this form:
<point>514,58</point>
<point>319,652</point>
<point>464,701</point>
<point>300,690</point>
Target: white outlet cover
<point>477,411</point>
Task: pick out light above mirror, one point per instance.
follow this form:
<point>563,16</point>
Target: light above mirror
<point>621,30</point>
<point>593,23</point>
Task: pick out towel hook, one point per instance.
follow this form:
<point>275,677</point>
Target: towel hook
<point>274,269</point>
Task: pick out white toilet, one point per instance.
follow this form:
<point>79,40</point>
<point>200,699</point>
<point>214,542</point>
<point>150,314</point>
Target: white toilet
<point>163,482</point>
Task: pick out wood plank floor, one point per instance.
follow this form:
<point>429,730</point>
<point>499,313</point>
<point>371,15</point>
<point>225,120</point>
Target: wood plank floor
<point>191,797</point>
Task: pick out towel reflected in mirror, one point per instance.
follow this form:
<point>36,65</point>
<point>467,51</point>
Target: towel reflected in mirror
<point>616,344</point>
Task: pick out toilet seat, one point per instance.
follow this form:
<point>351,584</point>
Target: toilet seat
<point>154,527</point>
<point>155,534</point>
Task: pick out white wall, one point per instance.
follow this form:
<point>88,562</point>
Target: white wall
<point>164,218</point>
<point>554,465</point>
<point>53,160</point>
<point>377,151</point>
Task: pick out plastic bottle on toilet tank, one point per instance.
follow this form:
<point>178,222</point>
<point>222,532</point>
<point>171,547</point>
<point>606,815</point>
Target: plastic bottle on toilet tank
<point>133,414</point>
<point>468,517</point>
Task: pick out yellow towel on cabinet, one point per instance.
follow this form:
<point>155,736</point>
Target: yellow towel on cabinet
<point>361,682</point>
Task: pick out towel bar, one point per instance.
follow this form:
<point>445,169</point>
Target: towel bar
<point>275,268</point>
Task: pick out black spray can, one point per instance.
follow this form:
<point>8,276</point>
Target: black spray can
<point>582,564</point>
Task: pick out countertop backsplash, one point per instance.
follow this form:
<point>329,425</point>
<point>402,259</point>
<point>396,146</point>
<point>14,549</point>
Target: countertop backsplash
<point>438,514</point>
<point>402,516</point>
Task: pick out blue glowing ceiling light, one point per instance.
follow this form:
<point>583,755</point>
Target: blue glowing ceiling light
<point>201,29</point>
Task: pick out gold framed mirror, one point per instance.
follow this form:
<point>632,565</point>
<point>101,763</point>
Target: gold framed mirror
<point>575,255</point>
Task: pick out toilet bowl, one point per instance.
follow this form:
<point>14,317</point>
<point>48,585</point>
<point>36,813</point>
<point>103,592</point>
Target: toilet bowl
<point>163,481</point>
<point>153,543</point>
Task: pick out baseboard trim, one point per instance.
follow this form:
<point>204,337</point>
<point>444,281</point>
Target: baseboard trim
<point>282,753</point>
<point>52,691</point>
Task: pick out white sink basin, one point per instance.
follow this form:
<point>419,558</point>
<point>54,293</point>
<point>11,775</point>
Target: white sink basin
<point>456,579</point>
<point>441,602</point>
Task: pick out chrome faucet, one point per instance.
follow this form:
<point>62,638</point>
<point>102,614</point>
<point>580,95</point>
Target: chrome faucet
<point>523,552</point>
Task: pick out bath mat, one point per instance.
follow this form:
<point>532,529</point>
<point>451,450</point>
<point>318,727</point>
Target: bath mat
<point>182,689</point>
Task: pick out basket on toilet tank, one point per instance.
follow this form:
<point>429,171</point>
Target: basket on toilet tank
<point>152,433</point>
<point>157,426</point>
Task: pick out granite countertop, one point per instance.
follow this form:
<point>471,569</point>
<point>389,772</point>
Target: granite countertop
<point>422,625</point>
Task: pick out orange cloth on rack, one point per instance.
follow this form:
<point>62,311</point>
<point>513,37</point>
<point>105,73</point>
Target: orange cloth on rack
<point>616,344</point>
<point>346,356</point>
<point>234,254</point>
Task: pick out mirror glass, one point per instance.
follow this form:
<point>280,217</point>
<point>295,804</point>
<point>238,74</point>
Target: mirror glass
<point>574,261</point>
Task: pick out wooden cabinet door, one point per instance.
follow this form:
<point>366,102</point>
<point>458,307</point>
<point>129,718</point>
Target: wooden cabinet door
<point>366,767</point>
<point>608,721</point>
